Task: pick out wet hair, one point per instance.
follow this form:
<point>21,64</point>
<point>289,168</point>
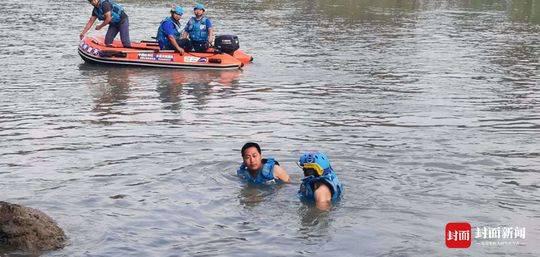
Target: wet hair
<point>248,145</point>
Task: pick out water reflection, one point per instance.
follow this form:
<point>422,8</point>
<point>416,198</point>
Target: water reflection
<point>252,195</point>
<point>389,10</point>
<point>226,78</point>
<point>526,11</point>
<point>199,84</point>
<point>170,91</point>
<point>314,223</point>
<point>110,87</point>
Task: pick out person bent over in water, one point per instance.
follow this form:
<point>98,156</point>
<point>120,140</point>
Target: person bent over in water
<point>320,183</point>
<point>168,35</point>
<point>256,170</point>
<point>111,14</point>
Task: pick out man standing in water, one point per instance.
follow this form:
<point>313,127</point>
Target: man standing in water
<point>256,170</point>
<point>111,14</point>
<point>199,30</point>
<point>168,35</point>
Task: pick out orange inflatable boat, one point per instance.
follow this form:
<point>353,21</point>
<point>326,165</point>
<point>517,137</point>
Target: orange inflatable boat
<point>147,53</point>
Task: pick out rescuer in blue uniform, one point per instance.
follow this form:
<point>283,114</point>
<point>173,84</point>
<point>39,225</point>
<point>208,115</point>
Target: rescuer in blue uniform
<point>256,170</point>
<point>168,35</point>
<point>199,30</point>
<point>320,183</point>
<point>111,14</point>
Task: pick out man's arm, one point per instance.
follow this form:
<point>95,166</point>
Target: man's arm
<point>323,197</point>
<point>175,44</point>
<point>107,20</point>
<point>185,33</point>
<point>210,32</point>
<point>88,26</point>
<point>211,36</point>
<point>170,30</point>
<point>281,174</point>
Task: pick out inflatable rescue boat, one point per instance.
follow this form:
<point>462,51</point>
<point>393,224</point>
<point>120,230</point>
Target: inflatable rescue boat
<point>224,56</point>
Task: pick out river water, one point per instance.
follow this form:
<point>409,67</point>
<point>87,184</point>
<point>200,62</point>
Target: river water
<point>428,110</point>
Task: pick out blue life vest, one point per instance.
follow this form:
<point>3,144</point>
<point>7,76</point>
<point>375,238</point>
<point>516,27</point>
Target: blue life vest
<point>116,11</point>
<point>264,176</point>
<point>198,32</point>
<point>162,38</point>
<point>329,178</point>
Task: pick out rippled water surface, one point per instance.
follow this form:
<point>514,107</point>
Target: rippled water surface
<point>428,110</point>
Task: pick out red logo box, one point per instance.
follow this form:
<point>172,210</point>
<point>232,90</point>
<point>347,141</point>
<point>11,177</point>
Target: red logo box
<point>458,235</point>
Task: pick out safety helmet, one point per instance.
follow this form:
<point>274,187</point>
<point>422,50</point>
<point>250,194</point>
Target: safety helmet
<point>199,6</point>
<point>314,163</point>
<point>178,10</point>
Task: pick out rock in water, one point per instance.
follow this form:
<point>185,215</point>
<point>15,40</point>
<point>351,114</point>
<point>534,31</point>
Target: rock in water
<point>28,229</point>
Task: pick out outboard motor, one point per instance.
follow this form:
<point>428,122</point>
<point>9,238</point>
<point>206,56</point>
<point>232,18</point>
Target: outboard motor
<point>227,43</point>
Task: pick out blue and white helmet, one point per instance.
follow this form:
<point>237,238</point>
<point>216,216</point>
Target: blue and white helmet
<point>315,160</point>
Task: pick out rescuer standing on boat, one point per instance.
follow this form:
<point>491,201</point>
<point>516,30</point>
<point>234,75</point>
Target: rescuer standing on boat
<point>111,14</point>
<point>199,30</point>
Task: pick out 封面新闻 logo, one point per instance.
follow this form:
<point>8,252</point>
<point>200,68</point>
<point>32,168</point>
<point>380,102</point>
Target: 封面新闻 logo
<point>458,235</point>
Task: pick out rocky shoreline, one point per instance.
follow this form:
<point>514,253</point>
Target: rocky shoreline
<point>29,230</point>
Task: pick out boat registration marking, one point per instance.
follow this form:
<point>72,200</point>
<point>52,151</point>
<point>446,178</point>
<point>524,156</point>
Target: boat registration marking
<point>155,57</point>
<point>191,59</point>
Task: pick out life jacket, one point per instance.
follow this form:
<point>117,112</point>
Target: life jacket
<point>197,29</point>
<point>162,38</point>
<point>329,178</point>
<point>264,176</point>
<point>116,11</point>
